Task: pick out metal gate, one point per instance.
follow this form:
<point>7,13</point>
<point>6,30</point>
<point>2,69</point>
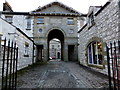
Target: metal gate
<point>9,65</point>
<point>113,60</point>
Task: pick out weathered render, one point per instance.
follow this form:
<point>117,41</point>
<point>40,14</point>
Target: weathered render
<point>104,29</point>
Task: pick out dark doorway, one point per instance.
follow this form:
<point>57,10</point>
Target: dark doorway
<point>58,55</point>
<point>39,53</point>
<point>71,52</point>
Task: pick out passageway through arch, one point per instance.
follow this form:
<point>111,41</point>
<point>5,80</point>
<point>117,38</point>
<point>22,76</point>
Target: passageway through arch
<point>57,35</point>
<point>55,49</point>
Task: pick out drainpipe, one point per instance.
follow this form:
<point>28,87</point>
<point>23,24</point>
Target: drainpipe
<point>118,18</point>
<point>0,60</point>
<point>0,43</point>
<point>33,54</point>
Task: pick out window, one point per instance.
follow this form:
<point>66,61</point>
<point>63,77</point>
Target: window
<point>40,30</point>
<point>70,21</point>
<point>71,31</point>
<point>40,20</point>
<point>95,53</point>
<point>28,23</point>
<point>91,20</point>
<point>52,46</point>
<point>9,19</point>
<point>26,53</point>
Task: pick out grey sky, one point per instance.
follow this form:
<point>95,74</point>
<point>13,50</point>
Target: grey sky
<point>29,5</point>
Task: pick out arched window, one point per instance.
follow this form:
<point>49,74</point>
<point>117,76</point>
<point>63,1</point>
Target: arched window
<point>95,53</point>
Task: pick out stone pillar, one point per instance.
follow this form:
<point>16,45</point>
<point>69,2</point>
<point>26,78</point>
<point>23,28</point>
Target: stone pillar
<point>65,52</point>
<point>76,53</point>
<point>45,52</point>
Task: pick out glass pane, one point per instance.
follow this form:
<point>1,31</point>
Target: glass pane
<point>90,54</point>
<point>40,20</point>
<point>94,53</point>
<point>29,23</point>
<point>99,53</point>
<point>8,19</point>
<point>70,21</point>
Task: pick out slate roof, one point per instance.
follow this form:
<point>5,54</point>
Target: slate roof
<point>73,12</point>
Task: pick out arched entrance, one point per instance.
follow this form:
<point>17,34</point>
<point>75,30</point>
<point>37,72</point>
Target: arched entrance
<point>58,34</point>
<point>54,48</point>
<point>68,45</point>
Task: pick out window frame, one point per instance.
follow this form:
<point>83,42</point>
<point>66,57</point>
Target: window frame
<point>28,24</point>
<point>96,53</point>
<point>52,46</point>
<point>70,21</point>
<point>26,52</point>
<point>40,30</point>
<point>9,19</point>
<point>40,20</point>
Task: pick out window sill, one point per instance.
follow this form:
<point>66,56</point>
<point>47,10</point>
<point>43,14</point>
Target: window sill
<point>40,23</point>
<point>97,66</point>
<point>28,28</point>
<point>71,24</point>
<point>26,55</point>
<point>10,22</point>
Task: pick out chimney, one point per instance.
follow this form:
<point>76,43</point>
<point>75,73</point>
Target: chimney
<point>7,7</point>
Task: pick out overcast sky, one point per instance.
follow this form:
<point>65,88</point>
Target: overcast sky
<point>29,5</point>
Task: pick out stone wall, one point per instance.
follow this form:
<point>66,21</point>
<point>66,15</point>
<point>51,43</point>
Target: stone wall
<point>105,30</point>
<point>21,40</point>
<point>50,23</point>
<point>16,35</point>
<point>20,21</point>
<point>55,22</point>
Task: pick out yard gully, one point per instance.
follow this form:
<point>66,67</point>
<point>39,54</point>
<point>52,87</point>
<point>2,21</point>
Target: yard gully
<point>9,65</point>
<point>113,60</point>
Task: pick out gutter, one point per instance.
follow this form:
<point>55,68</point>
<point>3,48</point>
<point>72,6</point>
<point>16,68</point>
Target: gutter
<point>82,28</point>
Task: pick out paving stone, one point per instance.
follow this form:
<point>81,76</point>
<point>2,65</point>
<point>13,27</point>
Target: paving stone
<point>59,74</point>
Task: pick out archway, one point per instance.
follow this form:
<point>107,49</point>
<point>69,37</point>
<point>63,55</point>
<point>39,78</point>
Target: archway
<point>54,49</point>
<point>58,34</point>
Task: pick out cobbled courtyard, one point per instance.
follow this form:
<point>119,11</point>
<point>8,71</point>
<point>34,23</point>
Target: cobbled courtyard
<point>60,74</point>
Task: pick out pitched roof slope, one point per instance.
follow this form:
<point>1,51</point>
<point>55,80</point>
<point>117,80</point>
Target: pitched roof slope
<point>56,3</point>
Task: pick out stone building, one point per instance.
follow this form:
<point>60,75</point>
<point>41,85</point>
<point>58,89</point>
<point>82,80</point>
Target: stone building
<point>34,30</point>
<point>12,27</point>
<point>56,20</point>
<point>55,49</point>
<point>102,27</point>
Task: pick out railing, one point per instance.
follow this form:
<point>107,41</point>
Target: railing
<point>9,65</point>
<point>113,60</point>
